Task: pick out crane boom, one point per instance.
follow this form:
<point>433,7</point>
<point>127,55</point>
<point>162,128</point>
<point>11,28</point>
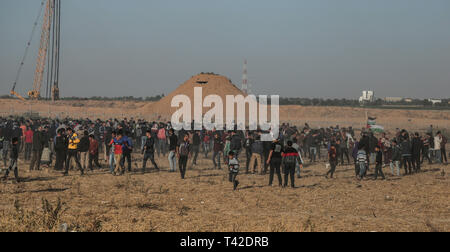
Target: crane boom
<point>35,93</point>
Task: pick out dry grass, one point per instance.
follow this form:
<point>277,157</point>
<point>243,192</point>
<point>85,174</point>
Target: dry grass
<point>204,201</point>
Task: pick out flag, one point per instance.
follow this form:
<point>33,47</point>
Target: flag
<point>371,120</point>
<point>376,128</point>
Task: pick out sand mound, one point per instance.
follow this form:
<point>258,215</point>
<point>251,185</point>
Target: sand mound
<point>212,85</point>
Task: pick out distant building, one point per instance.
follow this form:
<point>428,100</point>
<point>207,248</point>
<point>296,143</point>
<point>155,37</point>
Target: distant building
<point>435,101</point>
<point>367,96</point>
<point>393,99</point>
<point>408,100</point>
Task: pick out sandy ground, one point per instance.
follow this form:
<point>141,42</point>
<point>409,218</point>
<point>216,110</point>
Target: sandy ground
<point>205,201</point>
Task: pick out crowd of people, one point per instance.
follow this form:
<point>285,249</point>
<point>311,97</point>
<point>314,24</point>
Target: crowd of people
<point>64,145</point>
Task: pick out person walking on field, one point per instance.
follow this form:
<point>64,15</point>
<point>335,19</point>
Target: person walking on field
<point>183,155</point>
<point>117,146</point>
<point>233,166</point>
<point>14,155</point>
<point>332,156</point>
<point>274,160</point>
<point>289,160</point>
<point>73,151</point>
<point>127,149</point>
<point>149,151</point>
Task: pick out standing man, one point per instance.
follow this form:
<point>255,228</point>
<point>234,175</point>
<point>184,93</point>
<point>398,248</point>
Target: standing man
<point>38,147</point>
<point>257,151</point>
<point>72,152</point>
<point>127,149</point>
<point>217,150</point>
<point>274,160</point>
<point>149,151</point>
<point>248,150</point>
<point>426,140</point>
<point>290,159</point>
<point>83,148</point>
<point>437,147</point>
<point>60,149</point>
<point>93,152</point>
<point>28,143</point>
<point>162,140</point>
<point>183,153</point>
<point>417,146</point>
<point>14,155</point>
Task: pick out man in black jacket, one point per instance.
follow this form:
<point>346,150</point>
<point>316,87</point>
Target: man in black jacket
<point>248,150</point>
<point>417,146</point>
<point>289,160</point>
<point>60,149</point>
<point>149,151</point>
<point>14,155</point>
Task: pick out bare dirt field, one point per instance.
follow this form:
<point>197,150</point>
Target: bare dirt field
<point>205,201</point>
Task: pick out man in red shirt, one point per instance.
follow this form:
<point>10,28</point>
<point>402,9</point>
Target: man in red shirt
<point>28,143</point>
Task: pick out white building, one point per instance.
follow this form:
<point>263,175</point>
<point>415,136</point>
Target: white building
<point>393,99</point>
<point>367,96</point>
<point>434,101</point>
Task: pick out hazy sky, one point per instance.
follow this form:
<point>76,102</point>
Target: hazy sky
<point>315,48</point>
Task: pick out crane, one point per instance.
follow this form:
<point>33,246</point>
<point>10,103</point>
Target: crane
<point>48,54</point>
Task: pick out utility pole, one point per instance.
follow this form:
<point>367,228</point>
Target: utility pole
<point>245,79</point>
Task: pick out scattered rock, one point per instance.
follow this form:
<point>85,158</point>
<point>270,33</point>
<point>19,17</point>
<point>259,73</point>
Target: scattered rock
<point>63,228</point>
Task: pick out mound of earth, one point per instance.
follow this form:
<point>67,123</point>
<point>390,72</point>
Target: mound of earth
<point>211,84</point>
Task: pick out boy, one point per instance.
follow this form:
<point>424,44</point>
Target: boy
<point>233,165</point>
<point>14,155</point>
<point>379,163</point>
<point>362,161</point>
